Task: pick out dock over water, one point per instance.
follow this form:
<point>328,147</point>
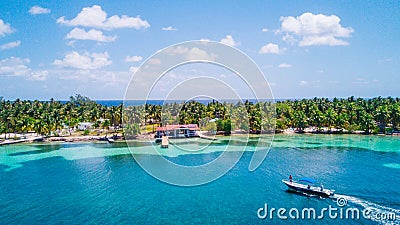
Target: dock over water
<point>164,142</point>
<point>201,135</point>
<point>30,139</point>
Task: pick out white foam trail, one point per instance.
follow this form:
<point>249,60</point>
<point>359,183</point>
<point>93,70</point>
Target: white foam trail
<point>375,210</point>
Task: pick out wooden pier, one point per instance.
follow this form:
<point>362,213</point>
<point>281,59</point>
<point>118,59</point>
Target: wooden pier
<point>201,135</point>
<point>164,142</point>
<point>30,139</point>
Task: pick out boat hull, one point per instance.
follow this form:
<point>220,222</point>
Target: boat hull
<point>308,190</point>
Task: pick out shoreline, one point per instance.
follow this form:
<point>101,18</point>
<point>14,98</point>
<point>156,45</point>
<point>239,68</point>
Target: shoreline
<point>33,138</point>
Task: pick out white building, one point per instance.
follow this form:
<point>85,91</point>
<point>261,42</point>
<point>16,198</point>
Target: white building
<point>84,125</point>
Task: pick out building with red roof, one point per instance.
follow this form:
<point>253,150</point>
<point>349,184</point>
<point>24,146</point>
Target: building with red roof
<point>177,130</point>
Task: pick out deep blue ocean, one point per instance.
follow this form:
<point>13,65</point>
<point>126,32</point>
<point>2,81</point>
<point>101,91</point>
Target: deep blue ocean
<point>101,183</point>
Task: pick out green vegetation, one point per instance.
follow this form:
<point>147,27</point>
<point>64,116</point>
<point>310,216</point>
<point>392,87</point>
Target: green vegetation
<point>211,127</point>
<point>369,115</point>
<point>336,115</point>
<point>50,117</point>
<point>86,132</point>
<point>132,130</point>
<point>228,116</point>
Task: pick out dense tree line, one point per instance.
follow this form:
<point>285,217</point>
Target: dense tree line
<point>351,114</point>
<point>226,116</point>
<point>344,115</point>
<point>369,115</point>
<point>46,117</point>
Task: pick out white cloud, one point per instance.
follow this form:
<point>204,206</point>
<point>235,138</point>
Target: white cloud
<point>39,75</point>
<point>135,58</point>
<point>14,66</point>
<point>133,69</point>
<point>169,28</point>
<point>314,29</point>
<point>191,53</point>
<point>154,61</point>
<point>71,43</point>
<point>39,10</point>
<point>199,54</point>
<point>265,30</point>
<point>85,61</point>
<point>10,45</point>
<point>303,82</point>
<point>94,35</point>
<point>228,40</point>
<point>271,48</point>
<point>177,50</point>
<point>289,38</point>
<point>5,28</point>
<point>93,77</point>
<point>284,65</point>
<point>95,17</point>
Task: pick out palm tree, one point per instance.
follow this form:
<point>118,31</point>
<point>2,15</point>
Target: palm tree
<point>382,115</point>
<point>106,125</point>
<point>394,110</point>
<point>367,122</point>
<point>330,118</point>
<point>300,120</point>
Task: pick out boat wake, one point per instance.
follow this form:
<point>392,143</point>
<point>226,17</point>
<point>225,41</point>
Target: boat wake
<point>377,213</point>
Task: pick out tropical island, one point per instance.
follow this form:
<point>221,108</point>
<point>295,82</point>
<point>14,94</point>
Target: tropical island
<point>82,117</point>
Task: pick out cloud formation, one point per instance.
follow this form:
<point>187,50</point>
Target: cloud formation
<point>191,53</point>
<point>94,35</point>
<point>14,66</point>
<point>5,28</point>
<point>133,69</point>
<point>84,61</point>
<point>315,29</point>
<point>169,28</point>
<point>228,40</point>
<point>10,45</point>
<point>303,82</point>
<point>95,17</point>
<point>284,65</point>
<point>39,75</point>
<point>35,10</point>
<point>134,58</point>
<point>271,48</point>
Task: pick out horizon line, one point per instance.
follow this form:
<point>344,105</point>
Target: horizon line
<point>278,99</point>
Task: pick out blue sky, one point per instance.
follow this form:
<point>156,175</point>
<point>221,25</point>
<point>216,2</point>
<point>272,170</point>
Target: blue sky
<point>324,49</point>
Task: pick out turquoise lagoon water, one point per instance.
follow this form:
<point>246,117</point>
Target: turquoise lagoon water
<point>101,183</point>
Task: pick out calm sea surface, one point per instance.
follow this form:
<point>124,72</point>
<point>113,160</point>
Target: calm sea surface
<point>101,183</point>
